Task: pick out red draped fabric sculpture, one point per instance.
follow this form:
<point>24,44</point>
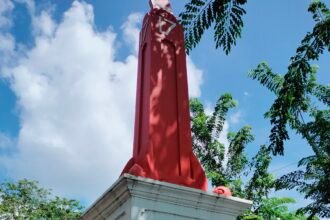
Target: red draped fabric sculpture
<point>162,133</point>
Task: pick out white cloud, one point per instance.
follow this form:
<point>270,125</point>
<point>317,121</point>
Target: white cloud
<point>209,109</point>
<point>131,33</point>
<point>6,6</point>
<point>76,103</point>
<point>235,118</point>
<point>195,79</point>
<point>7,42</point>
<point>7,46</point>
<point>5,142</point>
<point>44,25</point>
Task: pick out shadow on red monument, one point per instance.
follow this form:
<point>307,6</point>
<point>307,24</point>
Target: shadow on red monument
<point>162,132</point>
<point>162,139</point>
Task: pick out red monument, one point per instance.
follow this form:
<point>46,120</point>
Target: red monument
<point>162,133</point>
<point>162,141</point>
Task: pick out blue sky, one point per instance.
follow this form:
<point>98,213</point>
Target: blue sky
<point>273,30</point>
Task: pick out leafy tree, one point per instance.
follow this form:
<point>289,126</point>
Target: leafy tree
<point>274,209</point>
<point>200,15</point>
<point>298,87</point>
<point>206,130</point>
<point>26,200</point>
<point>313,178</point>
<point>226,16</point>
<point>261,182</point>
<point>257,183</point>
<point>297,91</point>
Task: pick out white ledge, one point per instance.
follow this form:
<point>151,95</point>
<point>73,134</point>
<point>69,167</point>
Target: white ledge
<point>132,197</point>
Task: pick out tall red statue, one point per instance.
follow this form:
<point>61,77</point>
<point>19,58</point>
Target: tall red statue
<point>162,136</point>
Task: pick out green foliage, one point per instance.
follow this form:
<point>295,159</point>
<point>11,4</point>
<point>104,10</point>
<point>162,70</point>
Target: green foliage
<point>200,15</point>
<point>206,130</point>
<point>237,159</point>
<point>295,90</point>
<point>258,183</point>
<point>322,92</point>
<point>274,208</point>
<point>314,179</point>
<point>261,182</point>
<point>296,94</point>
<point>264,74</point>
<point>26,200</point>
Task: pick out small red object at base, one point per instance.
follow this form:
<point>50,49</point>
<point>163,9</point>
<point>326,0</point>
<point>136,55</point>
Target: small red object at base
<point>162,138</point>
<point>222,190</point>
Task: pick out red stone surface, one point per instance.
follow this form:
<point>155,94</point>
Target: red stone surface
<point>162,133</point>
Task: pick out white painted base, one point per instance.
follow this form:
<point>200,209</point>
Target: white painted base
<point>135,198</point>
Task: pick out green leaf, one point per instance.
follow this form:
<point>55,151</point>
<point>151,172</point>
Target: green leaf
<point>26,200</point>
<point>200,15</point>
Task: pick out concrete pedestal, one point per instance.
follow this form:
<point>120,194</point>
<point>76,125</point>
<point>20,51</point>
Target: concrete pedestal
<point>135,198</point>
